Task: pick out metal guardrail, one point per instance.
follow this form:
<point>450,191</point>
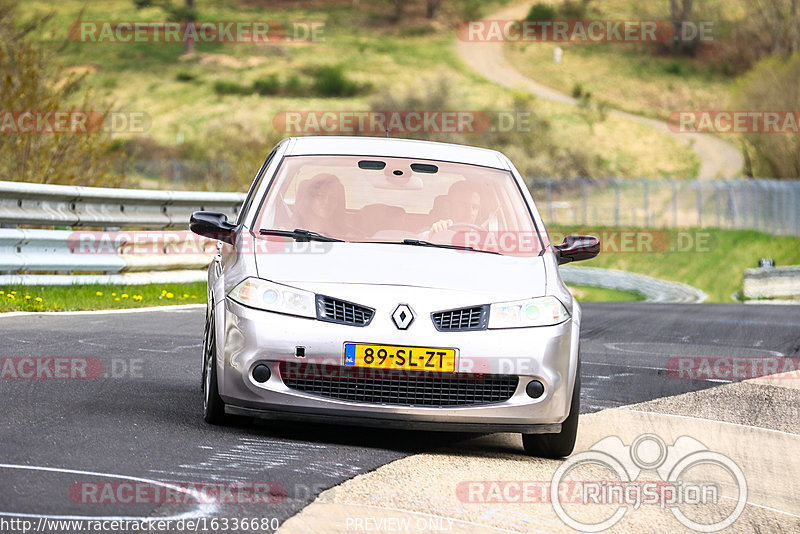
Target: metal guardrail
<point>24,250</point>
<point>772,282</point>
<point>24,203</point>
<point>140,256</point>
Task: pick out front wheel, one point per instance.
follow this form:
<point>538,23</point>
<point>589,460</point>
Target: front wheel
<point>561,444</point>
<point>213,406</point>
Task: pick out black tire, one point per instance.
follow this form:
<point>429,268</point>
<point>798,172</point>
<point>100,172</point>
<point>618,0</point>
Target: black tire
<point>561,444</point>
<point>213,406</point>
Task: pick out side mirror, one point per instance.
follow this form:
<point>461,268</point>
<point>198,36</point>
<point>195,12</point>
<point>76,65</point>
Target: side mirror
<point>212,224</point>
<point>577,248</point>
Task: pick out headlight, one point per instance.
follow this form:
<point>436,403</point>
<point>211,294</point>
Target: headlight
<point>542,311</point>
<point>266,295</point>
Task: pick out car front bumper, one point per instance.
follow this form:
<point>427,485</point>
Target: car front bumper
<point>251,337</point>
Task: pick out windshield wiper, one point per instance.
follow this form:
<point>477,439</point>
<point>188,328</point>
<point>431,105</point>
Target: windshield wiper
<point>299,234</point>
<point>421,243</point>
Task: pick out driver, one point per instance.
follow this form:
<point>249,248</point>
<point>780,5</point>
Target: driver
<point>463,205</point>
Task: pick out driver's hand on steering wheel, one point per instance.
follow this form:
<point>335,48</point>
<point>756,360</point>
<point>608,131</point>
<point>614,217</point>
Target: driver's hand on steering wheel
<point>441,225</point>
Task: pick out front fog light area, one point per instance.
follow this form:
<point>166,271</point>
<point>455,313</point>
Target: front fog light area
<point>261,373</point>
<point>534,389</point>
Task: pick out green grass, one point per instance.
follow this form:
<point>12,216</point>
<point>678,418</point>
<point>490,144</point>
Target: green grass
<point>196,95</point>
<point>716,266</point>
<point>98,297</point>
<point>633,77</point>
<point>601,294</point>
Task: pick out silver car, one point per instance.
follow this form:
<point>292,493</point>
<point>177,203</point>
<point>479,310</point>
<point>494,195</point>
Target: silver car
<point>393,283</point>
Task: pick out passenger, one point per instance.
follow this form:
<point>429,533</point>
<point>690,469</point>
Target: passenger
<point>320,206</point>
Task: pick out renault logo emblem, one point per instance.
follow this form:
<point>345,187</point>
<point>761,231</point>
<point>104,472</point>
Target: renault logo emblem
<point>403,316</point>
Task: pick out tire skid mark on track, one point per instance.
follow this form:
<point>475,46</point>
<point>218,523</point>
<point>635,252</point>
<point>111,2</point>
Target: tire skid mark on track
<point>200,510</point>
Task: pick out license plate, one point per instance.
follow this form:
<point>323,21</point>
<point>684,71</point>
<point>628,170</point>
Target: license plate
<point>399,357</point>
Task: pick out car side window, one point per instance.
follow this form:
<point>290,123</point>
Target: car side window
<point>256,185</point>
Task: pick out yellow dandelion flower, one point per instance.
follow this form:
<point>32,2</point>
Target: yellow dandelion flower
<point>11,296</point>
<point>124,295</point>
<point>113,294</point>
<point>13,292</point>
<point>27,297</point>
<point>170,295</point>
<point>116,298</point>
<point>194,296</point>
<point>2,292</point>
<point>38,299</point>
<point>99,293</point>
<point>186,295</point>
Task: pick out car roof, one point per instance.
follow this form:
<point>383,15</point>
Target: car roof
<point>393,147</point>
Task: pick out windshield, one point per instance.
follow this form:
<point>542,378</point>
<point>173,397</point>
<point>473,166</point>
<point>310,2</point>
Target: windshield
<point>377,199</point>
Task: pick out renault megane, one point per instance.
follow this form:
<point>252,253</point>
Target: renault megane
<point>393,283</point>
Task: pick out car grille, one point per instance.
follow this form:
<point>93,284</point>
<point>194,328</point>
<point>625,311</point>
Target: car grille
<point>343,312</point>
<point>399,387</point>
<point>474,318</point>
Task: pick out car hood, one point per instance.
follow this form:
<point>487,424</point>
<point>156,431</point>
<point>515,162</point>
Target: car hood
<point>491,276</point>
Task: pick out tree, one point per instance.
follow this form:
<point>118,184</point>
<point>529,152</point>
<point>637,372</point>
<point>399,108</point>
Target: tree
<point>680,16</point>
<point>772,86</point>
<point>31,84</point>
<point>431,7</point>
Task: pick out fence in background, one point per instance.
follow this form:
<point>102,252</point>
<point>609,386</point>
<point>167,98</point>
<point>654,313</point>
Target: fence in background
<point>770,206</point>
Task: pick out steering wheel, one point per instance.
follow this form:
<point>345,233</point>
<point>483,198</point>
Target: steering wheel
<point>459,226</point>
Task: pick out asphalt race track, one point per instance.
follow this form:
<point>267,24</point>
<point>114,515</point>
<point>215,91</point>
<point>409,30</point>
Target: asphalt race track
<point>140,420</point>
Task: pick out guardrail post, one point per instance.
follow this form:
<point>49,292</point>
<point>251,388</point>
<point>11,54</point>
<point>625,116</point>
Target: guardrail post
<point>699,187</point>
<point>646,186</point>
<point>549,200</point>
<point>584,201</point>
<point>674,185</point>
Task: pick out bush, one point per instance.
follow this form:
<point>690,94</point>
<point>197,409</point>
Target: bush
<point>541,12</point>
<point>224,87</point>
<point>573,9</point>
<point>293,86</point>
<point>270,85</point>
<point>331,81</point>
